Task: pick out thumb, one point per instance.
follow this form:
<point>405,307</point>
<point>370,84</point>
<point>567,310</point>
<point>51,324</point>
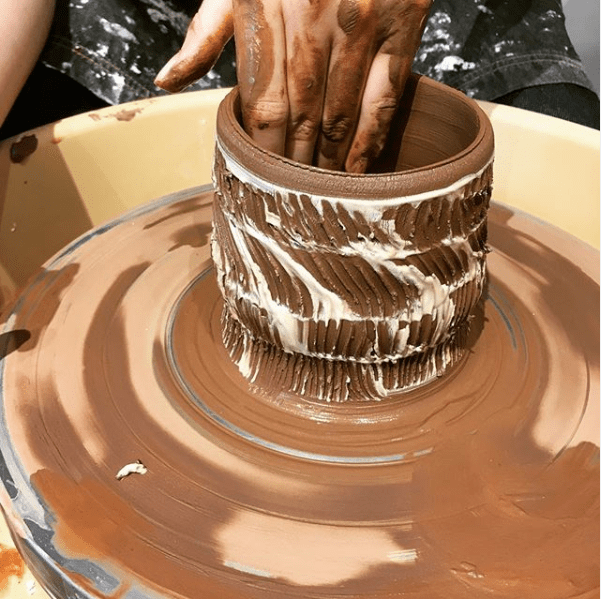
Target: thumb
<point>208,32</point>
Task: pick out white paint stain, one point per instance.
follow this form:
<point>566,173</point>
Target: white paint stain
<point>485,9</point>
<point>118,83</point>
<point>102,50</point>
<point>454,63</point>
<point>117,29</point>
<point>179,20</point>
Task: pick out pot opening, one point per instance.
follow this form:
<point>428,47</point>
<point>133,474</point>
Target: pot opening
<point>433,125</point>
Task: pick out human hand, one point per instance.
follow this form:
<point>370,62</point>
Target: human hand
<point>320,80</point>
<point>24,29</point>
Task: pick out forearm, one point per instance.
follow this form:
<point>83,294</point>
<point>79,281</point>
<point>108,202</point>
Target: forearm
<point>23,31</point>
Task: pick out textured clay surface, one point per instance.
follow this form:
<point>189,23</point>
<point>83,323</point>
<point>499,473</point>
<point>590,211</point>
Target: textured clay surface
<point>370,290</point>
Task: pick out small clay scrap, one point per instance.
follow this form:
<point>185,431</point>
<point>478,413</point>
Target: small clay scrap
<point>134,468</point>
<point>127,115</point>
<point>23,148</point>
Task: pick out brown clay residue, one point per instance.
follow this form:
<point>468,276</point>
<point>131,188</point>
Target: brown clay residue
<point>73,501</point>
<point>262,88</point>
<point>22,149</point>
<point>28,338</point>
<point>123,115</point>
<point>11,564</point>
<point>127,115</point>
<point>306,83</point>
<point>188,66</point>
<point>478,508</point>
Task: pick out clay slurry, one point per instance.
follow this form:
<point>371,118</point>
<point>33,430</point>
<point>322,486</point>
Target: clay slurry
<point>484,482</point>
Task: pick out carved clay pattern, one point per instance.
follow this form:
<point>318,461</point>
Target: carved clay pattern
<point>347,289</point>
<point>265,365</point>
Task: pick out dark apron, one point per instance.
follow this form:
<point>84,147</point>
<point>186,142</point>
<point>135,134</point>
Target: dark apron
<point>487,49</point>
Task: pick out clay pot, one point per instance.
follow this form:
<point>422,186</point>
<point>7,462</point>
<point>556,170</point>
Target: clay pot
<point>340,286</point>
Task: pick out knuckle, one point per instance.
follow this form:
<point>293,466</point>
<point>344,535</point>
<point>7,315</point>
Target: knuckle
<point>336,129</point>
<point>267,113</point>
<point>386,105</point>
<point>304,127</point>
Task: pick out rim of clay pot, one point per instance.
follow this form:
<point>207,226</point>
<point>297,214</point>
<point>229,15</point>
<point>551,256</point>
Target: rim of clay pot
<point>450,172</point>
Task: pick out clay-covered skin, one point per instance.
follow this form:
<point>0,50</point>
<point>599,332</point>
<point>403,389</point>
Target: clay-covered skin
<point>482,484</point>
<point>320,80</point>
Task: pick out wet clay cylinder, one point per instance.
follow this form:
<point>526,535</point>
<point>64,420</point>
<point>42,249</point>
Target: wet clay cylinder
<point>341,286</point>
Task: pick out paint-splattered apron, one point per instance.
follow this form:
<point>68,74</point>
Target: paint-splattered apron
<point>486,48</point>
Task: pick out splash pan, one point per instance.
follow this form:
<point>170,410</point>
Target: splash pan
<point>138,462</point>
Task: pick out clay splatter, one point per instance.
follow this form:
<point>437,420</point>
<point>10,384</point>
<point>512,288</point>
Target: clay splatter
<point>127,115</point>
<point>22,149</point>
<point>11,564</point>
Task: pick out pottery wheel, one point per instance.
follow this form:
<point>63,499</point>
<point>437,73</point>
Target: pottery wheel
<point>482,483</point>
